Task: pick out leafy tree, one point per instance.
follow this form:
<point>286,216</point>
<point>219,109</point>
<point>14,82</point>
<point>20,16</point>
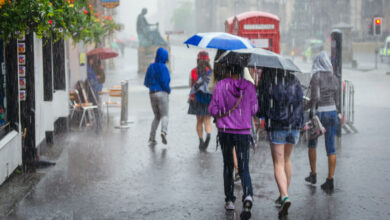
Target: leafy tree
<point>59,18</point>
<point>183,17</point>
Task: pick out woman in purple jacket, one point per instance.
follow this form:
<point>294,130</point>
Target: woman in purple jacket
<point>233,104</point>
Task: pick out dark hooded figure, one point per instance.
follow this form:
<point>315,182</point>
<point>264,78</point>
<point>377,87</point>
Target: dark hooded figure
<point>281,104</point>
<point>157,79</point>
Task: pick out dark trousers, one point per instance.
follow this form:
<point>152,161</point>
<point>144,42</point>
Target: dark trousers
<point>242,144</point>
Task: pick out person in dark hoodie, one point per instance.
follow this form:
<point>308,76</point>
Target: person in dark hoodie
<point>281,104</point>
<point>157,79</point>
<point>233,104</point>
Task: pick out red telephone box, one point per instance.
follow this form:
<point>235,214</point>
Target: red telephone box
<point>261,28</point>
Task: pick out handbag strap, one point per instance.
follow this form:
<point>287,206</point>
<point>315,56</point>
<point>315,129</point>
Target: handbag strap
<point>231,110</point>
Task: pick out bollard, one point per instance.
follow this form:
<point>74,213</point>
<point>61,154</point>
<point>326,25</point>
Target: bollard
<point>124,123</point>
<point>336,58</point>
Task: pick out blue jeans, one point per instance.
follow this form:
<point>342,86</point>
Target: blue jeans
<point>329,121</point>
<point>242,144</point>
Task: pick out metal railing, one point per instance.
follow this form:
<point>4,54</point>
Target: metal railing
<point>348,116</point>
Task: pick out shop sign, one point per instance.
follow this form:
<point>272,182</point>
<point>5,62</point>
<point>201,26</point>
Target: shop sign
<point>259,26</point>
<point>110,3</point>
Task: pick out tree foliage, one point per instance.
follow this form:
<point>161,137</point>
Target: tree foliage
<point>59,18</point>
<point>183,17</point>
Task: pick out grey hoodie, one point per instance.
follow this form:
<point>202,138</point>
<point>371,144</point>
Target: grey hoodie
<point>324,85</point>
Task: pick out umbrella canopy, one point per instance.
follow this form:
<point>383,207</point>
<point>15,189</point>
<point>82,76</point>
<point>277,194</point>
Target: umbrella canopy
<point>102,53</point>
<point>258,57</point>
<point>219,40</point>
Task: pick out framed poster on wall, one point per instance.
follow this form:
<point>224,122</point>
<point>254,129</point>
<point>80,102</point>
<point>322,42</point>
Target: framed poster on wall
<point>22,95</point>
<point>22,59</point>
<point>22,71</point>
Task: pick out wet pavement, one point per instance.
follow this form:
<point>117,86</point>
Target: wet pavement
<point>116,175</point>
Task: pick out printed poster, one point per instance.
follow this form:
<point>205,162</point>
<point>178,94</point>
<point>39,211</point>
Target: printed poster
<point>21,48</point>
<point>22,59</point>
<point>22,71</point>
<point>22,95</point>
<point>22,83</point>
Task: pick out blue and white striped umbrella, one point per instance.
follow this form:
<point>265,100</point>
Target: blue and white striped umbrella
<point>219,40</point>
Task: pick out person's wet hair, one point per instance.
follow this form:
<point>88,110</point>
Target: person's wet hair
<point>235,69</point>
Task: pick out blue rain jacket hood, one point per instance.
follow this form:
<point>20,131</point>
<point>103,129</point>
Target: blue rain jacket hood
<point>157,76</point>
<point>161,56</point>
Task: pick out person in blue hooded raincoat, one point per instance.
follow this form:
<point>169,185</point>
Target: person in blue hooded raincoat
<point>157,79</point>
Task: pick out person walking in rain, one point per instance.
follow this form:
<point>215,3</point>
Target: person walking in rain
<point>200,97</point>
<point>324,101</point>
<point>281,104</point>
<point>93,75</point>
<point>233,104</point>
<point>157,79</point>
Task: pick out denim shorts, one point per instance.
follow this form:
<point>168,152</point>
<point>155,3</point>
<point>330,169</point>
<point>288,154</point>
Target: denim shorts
<point>284,136</point>
<point>330,122</point>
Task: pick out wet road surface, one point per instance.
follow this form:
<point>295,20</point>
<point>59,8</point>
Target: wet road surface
<point>116,175</point>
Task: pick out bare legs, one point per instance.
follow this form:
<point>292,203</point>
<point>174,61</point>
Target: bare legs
<point>199,126</point>
<point>331,165</point>
<point>313,160</point>
<point>282,166</point>
<point>203,121</point>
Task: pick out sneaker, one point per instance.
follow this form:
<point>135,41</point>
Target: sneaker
<point>286,203</point>
<point>312,178</point>
<point>164,138</point>
<point>328,185</point>
<point>229,205</point>
<point>246,210</point>
<point>278,201</point>
<point>152,141</point>
<point>236,177</point>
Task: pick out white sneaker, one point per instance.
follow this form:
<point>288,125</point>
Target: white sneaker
<point>229,205</point>
<point>246,210</point>
<point>248,198</point>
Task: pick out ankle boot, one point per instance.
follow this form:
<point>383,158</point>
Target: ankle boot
<point>201,144</point>
<point>328,185</point>
<point>206,143</point>
<point>312,178</point>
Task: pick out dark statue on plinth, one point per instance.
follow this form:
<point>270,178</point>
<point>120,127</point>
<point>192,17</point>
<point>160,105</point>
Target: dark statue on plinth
<point>148,34</point>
